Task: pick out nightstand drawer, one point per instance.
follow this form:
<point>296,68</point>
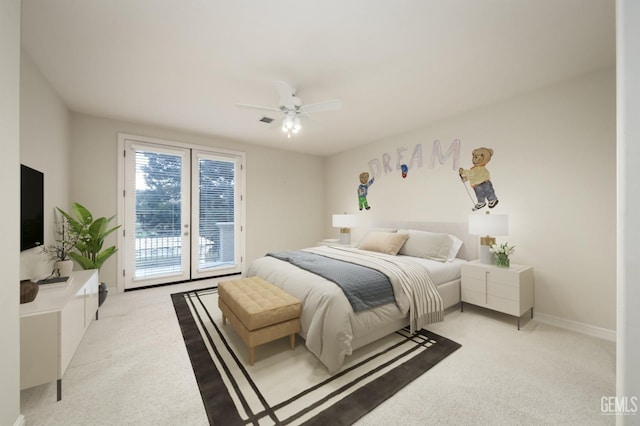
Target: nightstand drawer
<point>472,296</point>
<point>492,288</point>
<point>496,275</point>
<point>495,303</point>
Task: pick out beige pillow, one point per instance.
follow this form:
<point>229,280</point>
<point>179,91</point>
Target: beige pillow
<point>383,242</point>
<point>428,245</point>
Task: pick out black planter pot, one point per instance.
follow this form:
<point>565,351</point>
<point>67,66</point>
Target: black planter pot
<point>102,293</point>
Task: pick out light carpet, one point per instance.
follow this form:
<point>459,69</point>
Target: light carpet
<point>293,387</point>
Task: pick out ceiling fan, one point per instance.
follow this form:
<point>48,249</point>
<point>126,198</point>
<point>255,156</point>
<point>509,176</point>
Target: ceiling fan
<point>292,108</point>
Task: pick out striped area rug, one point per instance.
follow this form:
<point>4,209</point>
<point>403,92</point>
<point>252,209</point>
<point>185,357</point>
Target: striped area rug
<point>286,387</point>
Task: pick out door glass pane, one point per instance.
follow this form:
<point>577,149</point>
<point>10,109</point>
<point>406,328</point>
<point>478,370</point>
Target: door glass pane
<point>216,237</point>
<point>158,242</point>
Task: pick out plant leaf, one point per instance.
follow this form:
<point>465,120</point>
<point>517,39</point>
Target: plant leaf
<point>104,255</point>
<point>82,213</point>
<point>83,261</point>
<point>76,226</point>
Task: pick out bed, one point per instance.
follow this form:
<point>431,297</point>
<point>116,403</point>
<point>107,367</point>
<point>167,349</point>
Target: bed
<point>423,269</point>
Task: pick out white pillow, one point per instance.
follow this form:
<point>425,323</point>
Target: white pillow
<point>383,242</point>
<point>428,245</point>
<point>456,244</point>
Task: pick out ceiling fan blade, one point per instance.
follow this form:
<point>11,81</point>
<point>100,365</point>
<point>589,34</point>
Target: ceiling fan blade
<point>259,107</point>
<point>321,106</point>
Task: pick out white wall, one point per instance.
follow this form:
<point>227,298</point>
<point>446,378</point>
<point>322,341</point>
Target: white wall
<point>45,145</point>
<point>628,348</point>
<point>554,172</point>
<point>284,199</point>
<point>10,213</point>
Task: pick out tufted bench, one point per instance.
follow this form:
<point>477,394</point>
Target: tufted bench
<point>259,311</point>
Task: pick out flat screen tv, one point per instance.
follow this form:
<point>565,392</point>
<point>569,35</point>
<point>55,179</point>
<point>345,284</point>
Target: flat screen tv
<point>31,208</point>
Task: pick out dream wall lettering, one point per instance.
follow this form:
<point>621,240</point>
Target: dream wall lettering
<point>386,164</point>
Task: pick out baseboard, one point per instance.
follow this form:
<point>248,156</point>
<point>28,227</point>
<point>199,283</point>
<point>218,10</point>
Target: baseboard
<point>576,326</point>
<point>20,421</point>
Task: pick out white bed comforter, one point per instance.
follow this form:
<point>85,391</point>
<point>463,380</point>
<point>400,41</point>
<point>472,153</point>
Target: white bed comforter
<point>329,325</point>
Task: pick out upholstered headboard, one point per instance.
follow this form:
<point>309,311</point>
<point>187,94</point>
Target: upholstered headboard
<point>469,249</point>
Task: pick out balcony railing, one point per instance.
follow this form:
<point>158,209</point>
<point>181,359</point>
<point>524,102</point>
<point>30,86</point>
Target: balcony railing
<point>156,256</point>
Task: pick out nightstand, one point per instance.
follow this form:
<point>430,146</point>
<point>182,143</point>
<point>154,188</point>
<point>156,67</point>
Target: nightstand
<point>507,290</point>
<point>336,242</point>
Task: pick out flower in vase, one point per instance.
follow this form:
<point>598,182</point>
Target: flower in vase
<point>502,253</point>
<point>503,249</point>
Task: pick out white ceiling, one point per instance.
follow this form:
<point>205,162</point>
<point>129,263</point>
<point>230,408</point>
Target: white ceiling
<point>396,65</point>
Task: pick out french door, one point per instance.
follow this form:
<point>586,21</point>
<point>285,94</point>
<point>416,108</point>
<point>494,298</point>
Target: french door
<point>182,213</point>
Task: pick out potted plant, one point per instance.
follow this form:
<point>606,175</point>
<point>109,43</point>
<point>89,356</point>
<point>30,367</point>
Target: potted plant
<point>88,239</point>
<point>58,252</point>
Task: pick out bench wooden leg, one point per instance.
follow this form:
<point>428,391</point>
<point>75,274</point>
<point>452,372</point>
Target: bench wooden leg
<point>252,355</point>
<point>292,341</point>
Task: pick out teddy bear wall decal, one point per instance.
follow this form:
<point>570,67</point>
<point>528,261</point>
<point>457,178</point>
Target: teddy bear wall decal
<point>479,178</point>
<point>363,190</point>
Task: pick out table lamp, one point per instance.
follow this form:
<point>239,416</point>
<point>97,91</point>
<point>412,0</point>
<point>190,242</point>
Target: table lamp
<point>345,222</point>
<point>487,225</point>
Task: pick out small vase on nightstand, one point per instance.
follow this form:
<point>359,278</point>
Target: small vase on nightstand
<point>502,260</point>
<point>502,253</point>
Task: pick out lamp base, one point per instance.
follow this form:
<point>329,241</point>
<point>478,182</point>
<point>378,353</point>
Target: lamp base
<point>345,238</point>
<point>486,257</point>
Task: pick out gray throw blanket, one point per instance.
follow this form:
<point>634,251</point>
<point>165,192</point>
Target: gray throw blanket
<point>364,287</point>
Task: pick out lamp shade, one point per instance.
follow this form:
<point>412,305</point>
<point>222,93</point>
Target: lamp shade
<point>344,220</point>
<point>488,224</point>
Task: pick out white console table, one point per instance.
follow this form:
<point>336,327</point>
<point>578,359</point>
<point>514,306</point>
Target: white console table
<point>52,326</point>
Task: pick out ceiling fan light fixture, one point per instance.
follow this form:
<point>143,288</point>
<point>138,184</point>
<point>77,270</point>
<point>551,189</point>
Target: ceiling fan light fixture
<point>291,106</point>
<point>287,123</point>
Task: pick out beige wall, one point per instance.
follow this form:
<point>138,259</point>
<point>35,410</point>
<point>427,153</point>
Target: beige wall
<point>45,145</point>
<point>554,172</point>
<point>284,198</point>
<point>10,213</point>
